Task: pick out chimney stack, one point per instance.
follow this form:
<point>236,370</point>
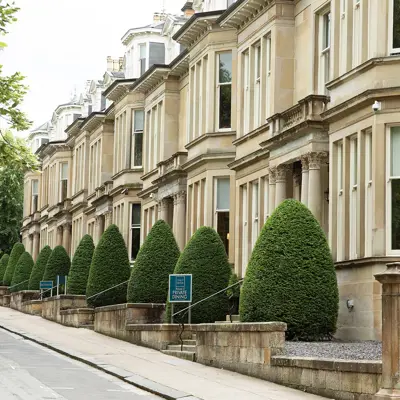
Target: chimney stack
<point>159,17</point>
<point>187,9</point>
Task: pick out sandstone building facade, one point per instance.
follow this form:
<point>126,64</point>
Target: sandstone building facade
<point>263,100</point>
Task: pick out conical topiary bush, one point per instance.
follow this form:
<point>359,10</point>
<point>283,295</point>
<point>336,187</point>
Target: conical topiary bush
<point>110,267</point>
<point>155,261</point>
<point>39,268</point>
<point>3,266</point>
<point>205,258</point>
<point>291,276</point>
<point>23,269</point>
<point>80,266</point>
<point>58,263</point>
<point>16,253</point>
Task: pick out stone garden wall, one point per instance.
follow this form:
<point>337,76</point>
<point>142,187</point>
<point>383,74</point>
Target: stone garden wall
<point>18,298</point>
<point>52,306</point>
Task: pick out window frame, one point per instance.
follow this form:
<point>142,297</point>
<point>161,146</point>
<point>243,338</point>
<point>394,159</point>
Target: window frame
<point>324,49</point>
<point>63,179</point>
<point>133,227</point>
<point>140,46</point>
<point>257,84</point>
<point>218,91</point>
<point>391,50</point>
<point>34,196</point>
<point>136,132</point>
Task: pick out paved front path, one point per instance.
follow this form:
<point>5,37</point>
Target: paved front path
<point>126,359</point>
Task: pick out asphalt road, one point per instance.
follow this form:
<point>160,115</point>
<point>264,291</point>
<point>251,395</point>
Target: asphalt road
<point>31,372</point>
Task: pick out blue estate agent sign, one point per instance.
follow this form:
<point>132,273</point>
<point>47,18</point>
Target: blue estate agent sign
<point>180,288</point>
<point>46,284</point>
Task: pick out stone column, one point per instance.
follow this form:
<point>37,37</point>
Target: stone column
<point>390,280</point>
<point>107,219</point>
<point>296,184</point>
<point>59,238</point>
<point>180,218</point>
<point>315,197</point>
<point>35,246</point>
<point>67,237</point>
<point>272,189</point>
<point>280,189</point>
<point>304,180</point>
<point>29,246</point>
<point>164,209</point>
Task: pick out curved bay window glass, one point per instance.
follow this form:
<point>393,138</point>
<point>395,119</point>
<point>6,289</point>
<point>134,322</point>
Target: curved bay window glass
<point>224,90</point>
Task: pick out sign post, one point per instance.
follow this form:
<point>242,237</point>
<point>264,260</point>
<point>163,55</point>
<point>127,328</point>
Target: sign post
<point>45,285</point>
<point>180,291</point>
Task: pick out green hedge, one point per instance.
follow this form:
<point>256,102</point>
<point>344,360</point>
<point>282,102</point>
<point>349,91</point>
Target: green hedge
<point>110,267</point>
<point>58,263</point>
<point>39,268</point>
<point>16,253</point>
<point>205,258</point>
<point>3,266</point>
<point>291,276</point>
<point>22,273</point>
<point>78,276</point>
<point>155,261</point>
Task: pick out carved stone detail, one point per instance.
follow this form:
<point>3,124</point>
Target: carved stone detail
<point>180,198</point>
<point>305,163</point>
<point>315,159</point>
<point>297,177</point>
<point>281,172</point>
<point>272,175</point>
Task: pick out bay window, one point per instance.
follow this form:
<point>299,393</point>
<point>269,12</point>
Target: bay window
<point>268,79</point>
<point>142,58</point>
<point>353,197</point>
<point>222,207</point>
<point>254,213</point>
<point>246,92</point>
<point>324,51</point>
<point>394,26</point>
<point>224,90</point>
<point>244,230</point>
<point>138,126</point>
<point>257,86</point>
<point>357,33</point>
<point>368,194</point>
<point>135,230</point>
<point>340,205</point>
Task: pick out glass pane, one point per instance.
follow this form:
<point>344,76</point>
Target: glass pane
<point>64,170</point>
<point>258,62</point>
<point>223,196</point>
<point>225,67</point>
<point>138,158</point>
<point>327,30</point>
<point>142,66</point>
<point>223,228</point>
<point>225,93</point>
<point>136,208</point>
<point>395,151</point>
<point>35,187</point>
<point>142,50</point>
<point>396,24</point>
<point>135,245</point>
<point>139,120</point>
<point>396,214</point>
<point>355,162</point>
<point>255,200</point>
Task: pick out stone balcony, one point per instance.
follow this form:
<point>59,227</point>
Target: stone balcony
<point>172,164</point>
<point>297,120</point>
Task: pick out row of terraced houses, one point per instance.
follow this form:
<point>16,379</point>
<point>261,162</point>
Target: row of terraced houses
<point>215,116</point>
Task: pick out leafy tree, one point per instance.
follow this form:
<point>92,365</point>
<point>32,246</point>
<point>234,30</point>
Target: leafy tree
<point>12,91</point>
<point>11,206</point>
<point>77,280</point>
<point>205,258</point>
<point>23,269</point>
<point>3,266</point>
<point>16,253</point>
<point>39,268</point>
<point>291,276</point>
<point>57,264</point>
<point>155,261</point>
<point>109,269</point>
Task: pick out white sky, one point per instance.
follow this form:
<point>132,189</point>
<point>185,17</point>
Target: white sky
<point>59,44</point>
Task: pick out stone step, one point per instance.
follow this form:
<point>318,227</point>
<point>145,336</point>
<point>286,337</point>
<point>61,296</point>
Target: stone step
<point>235,318</point>
<point>191,342</point>
<point>90,327</point>
<point>177,347</point>
<point>186,355</point>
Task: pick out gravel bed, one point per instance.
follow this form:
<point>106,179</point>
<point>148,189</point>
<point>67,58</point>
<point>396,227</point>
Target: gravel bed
<point>368,350</point>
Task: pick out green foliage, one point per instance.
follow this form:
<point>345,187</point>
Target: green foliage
<point>155,261</point>
<point>205,258</point>
<point>3,266</point>
<point>23,269</point>
<point>7,16</point>
<point>57,264</point>
<point>78,277</point>
<point>39,268</point>
<point>11,206</point>
<point>16,253</point>
<point>291,276</point>
<point>110,267</point>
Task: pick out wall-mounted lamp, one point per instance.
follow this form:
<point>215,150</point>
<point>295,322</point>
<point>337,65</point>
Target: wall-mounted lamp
<point>326,195</point>
<point>350,304</point>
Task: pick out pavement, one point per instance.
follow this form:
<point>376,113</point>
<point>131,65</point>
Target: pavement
<point>29,371</point>
<point>164,376</point>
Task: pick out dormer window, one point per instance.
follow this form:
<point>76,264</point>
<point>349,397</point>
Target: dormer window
<point>63,181</point>
<point>142,58</point>
<point>35,196</point>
